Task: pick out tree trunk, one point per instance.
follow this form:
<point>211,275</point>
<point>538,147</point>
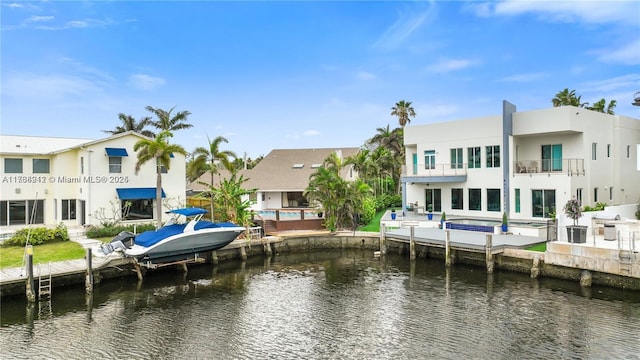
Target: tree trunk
<point>159,195</point>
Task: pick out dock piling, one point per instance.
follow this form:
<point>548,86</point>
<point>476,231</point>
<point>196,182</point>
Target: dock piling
<point>412,244</point>
<point>88,282</point>
<point>30,290</point>
<point>489,253</point>
<point>447,248</point>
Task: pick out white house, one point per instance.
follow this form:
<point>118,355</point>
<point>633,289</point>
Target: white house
<point>527,164</point>
<point>48,180</point>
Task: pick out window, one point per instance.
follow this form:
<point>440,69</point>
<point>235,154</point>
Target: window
<point>608,150</point>
<point>137,209</point>
<point>457,199</point>
<point>13,166</point>
<point>473,154</point>
<point>543,203</point>
<point>68,209</point>
<point>628,151</point>
<point>493,156</point>
<point>611,193</point>
<point>163,169</point>
<point>579,195</point>
<point>81,164</point>
<point>493,200</point>
<point>415,163</point>
<point>594,151</point>
<point>552,157</point>
<point>595,195</point>
<point>456,158</point>
<point>518,201</point>
<point>40,166</point>
<point>21,212</point>
<point>433,197</point>
<point>115,164</point>
<point>430,159</point>
<point>475,199</point>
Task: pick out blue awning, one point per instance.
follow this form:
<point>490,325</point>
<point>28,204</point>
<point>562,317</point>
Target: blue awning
<point>116,151</point>
<point>138,193</point>
<point>188,211</point>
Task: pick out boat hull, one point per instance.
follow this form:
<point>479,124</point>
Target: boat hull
<point>186,245</point>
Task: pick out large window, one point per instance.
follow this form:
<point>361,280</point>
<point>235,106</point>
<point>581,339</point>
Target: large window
<point>434,197</point>
<point>543,203</point>
<point>493,156</point>
<point>40,166</point>
<point>115,164</point>
<point>518,201</point>
<point>21,212</point>
<point>552,157</point>
<point>473,154</point>
<point>456,158</point>
<point>137,209</point>
<point>430,159</point>
<point>68,209</point>
<point>475,199</point>
<point>457,199</point>
<point>493,200</point>
<point>13,166</point>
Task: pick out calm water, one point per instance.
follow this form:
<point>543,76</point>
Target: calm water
<point>329,305</point>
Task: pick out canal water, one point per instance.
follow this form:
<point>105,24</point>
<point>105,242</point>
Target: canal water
<point>326,305</point>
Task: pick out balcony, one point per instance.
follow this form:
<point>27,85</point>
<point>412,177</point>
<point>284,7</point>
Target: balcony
<point>434,173</point>
<point>569,167</point>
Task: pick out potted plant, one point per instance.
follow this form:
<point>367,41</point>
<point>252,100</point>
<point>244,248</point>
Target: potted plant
<point>443,218</point>
<point>430,211</point>
<point>393,214</point>
<point>575,233</point>
<point>505,222</point>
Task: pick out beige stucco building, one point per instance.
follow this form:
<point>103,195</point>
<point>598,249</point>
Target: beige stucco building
<point>49,180</point>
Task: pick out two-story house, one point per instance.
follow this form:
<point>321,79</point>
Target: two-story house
<point>527,164</point>
<point>48,180</point>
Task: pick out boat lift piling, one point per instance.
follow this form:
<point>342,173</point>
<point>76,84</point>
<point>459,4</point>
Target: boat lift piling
<point>88,282</point>
<point>30,284</point>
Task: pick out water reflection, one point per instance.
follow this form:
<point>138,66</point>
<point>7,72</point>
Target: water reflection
<point>331,304</point>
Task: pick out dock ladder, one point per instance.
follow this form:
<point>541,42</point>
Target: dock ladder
<point>44,283</point>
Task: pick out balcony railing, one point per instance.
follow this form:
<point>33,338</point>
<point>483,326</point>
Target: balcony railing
<point>435,170</point>
<point>571,167</point>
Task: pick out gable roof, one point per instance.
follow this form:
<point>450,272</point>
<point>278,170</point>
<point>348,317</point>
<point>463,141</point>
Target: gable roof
<point>289,169</point>
<point>280,170</point>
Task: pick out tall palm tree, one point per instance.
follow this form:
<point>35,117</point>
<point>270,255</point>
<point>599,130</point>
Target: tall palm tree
<point>566,97</point>
<point>209,159</point>
<point>158,150</point>
<point>404,111</point>
<point>167,121</point>
<point>130,124</point>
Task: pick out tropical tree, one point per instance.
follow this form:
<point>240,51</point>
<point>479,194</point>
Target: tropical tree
<point>158,150</point>
<point>404,111</point>
<point>167,121</point>
<point>388,155</point>
<point>130,124</point>
<point>230,201</point>
<point>601,106</point>
<point>209,159</point>
<point>340,199</point>
<point>566,97</point>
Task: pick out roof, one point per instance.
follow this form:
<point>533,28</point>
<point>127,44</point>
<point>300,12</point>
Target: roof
<point>18,144</point>
<point>281,170</point>
<point>40,145</point>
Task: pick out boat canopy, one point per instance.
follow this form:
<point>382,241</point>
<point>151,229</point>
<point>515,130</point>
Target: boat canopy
<point>188,211</point>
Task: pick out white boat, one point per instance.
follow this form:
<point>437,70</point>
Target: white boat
<point>175,240</point>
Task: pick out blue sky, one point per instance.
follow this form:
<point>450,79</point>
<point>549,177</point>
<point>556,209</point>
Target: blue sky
<point>304,74</point>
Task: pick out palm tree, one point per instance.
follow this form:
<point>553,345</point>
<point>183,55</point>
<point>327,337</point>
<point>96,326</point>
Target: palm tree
<point>130,124</point>
<point>230,200</point>
<point>165,121</point>
<point>158,150</point>
<point>208,159</point>
<point>599,106</point>
<point>403,110</point>
<point>566,97</point>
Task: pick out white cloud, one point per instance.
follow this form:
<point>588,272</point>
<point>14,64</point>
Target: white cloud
<point>447,65</point>
<point>47,86</point>
<point>311,133</point>
<point>607,85</point>
<point>145,82</point>
<point>628,54</point>
<point>365,75</point>
<point>40,18</point>
<point>593,12</point>
<point>526,77</point>
<point>407,23</point>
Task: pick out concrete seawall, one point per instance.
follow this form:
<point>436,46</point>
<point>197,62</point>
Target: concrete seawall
<point>523,261</point>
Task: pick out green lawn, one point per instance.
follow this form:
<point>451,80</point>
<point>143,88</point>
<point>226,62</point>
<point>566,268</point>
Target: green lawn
<point>538,247</point>
<point>374,225</point>
<point>12,256</point>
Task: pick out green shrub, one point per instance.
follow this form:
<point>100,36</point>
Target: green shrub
<point>38,236</point>
<point>386,201</point>
<point>94,232</point>
<point>369,210</point>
